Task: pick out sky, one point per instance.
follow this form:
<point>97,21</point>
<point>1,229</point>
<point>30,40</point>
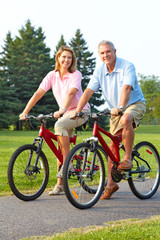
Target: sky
<point>133,26</point>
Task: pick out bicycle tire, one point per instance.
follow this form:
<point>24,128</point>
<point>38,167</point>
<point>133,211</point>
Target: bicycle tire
<point>83,189</point>
<point>26,182</point>
<point>145,184</point>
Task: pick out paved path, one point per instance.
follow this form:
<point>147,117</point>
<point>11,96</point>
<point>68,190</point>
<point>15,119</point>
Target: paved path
<point>48,215</point>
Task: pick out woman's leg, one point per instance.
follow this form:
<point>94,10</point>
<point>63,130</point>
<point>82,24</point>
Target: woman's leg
<point>64,143</point>
<point>63,129</point>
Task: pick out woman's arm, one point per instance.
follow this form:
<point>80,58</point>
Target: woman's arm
<point>33,100</point>
<point>68,100</point>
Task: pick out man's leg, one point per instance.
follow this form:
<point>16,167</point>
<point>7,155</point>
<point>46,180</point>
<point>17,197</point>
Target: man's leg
<point>111,185</point>
<point>128,139</point>
<point>127,133</point>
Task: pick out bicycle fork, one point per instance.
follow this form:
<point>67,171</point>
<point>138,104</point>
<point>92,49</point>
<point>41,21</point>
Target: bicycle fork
<point>38,141</point>
<point>93,143</point>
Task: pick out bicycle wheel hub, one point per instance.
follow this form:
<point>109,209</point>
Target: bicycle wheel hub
<point>30,172</point>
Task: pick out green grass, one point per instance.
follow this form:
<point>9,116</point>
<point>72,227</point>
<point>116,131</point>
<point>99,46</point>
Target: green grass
<point>133,229</point>
<point>130,229</point>
<point>11,140</point>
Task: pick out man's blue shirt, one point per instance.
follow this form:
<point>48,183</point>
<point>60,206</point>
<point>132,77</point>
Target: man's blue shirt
<point>111,83</point>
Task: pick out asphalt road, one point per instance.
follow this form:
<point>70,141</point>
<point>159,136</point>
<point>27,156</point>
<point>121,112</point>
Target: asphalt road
<point>48,215</point>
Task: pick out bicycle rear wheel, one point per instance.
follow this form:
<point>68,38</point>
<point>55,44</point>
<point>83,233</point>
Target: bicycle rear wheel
<point>146,163</point>
<point>83,184</point>
<point>26,180</point>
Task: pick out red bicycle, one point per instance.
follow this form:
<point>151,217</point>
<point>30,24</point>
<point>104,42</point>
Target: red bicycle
<point>28,169</point>
<point>84,183</point>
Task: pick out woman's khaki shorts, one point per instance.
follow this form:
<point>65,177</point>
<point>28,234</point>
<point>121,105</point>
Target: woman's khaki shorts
<point>137,109</point>
<point>65,125</point>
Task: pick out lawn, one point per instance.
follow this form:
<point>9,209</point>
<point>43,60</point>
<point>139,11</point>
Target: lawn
<point>11,140</point>
<point>132,229</point>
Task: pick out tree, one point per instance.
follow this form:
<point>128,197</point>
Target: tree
<point>60,43</point>
<point>7,104</point>
<point>8,100</point>
<point>155,104</point>
<point>86,65</point>
<point>25,61</point>
<point>150,86</point>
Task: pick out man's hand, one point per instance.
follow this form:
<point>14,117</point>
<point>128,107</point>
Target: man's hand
<point>116,111</point>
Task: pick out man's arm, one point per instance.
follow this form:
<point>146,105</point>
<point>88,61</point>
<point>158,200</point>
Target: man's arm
<point>124,98</point>
<point>84,99</point>
<point>125,95</point>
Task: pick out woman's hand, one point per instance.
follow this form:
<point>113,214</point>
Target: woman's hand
<point>73,115</point>
<point>59,113</point>
<point>22,116</point>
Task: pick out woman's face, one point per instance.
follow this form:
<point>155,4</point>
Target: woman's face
<point>65,59</point>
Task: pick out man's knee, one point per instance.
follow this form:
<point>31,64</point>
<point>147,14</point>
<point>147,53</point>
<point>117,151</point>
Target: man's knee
<point>127,120</point>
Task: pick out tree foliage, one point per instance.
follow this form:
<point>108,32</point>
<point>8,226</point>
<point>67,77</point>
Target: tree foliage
<point>150,86</point>
<point>61,42</point>
<point>24,62</point>
<point>86,65</point>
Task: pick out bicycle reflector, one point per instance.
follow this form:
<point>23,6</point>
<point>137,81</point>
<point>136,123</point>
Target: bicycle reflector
<point>148,151</point>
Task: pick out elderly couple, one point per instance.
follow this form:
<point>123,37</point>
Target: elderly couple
<point>118,81</point>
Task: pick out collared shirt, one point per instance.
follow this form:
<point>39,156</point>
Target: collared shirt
<point>111,83</point>
<point>60,87</point>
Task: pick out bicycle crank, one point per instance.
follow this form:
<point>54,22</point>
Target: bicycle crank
<point>116,175</point>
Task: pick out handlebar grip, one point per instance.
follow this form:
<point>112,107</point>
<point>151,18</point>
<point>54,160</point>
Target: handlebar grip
<point>120,113</point>
<point>26,117</point>
<point>81,114</point>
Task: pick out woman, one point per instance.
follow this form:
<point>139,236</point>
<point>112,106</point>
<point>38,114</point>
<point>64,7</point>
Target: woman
<point>65,82</point>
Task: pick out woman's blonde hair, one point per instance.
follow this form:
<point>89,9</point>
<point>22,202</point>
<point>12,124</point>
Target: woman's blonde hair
<point>72,68</point>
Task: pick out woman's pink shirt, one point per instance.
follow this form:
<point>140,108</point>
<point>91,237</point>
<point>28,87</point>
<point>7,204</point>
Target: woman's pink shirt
<point>60,87</point>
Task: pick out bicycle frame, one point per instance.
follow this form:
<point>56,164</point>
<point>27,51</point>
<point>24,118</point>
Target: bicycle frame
<point>116,140</point>
<point>48,136</point>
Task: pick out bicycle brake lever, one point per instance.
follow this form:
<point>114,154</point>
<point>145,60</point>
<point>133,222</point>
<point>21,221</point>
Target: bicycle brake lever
<point>81,114</point>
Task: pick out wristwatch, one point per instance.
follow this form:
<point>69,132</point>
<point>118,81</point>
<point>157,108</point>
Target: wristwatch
<point>123,108</point>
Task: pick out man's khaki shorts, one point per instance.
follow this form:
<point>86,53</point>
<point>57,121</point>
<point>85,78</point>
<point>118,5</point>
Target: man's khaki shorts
<point>65,125</point>
<point>137,109</point>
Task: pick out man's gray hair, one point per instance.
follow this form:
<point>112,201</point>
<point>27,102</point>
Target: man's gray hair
<point>106,42</point>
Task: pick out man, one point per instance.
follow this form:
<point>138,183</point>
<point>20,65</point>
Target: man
<point>118,81</point>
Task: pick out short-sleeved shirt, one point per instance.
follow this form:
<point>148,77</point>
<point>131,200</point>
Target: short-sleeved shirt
<point>60,87</point>
<point>111,83</point>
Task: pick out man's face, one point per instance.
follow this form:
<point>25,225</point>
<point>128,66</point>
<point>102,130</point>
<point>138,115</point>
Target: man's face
<point>107,54</point>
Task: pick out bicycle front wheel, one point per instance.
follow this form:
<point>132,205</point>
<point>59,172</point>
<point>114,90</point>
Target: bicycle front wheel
<point>84,176</point>
<point>145,177</point>
<point>26,180</point>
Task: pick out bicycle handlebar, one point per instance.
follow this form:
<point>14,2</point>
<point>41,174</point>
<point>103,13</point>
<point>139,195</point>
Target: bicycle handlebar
<point>94,115</point>
<point>39,117</point>
<point>81,115</point>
